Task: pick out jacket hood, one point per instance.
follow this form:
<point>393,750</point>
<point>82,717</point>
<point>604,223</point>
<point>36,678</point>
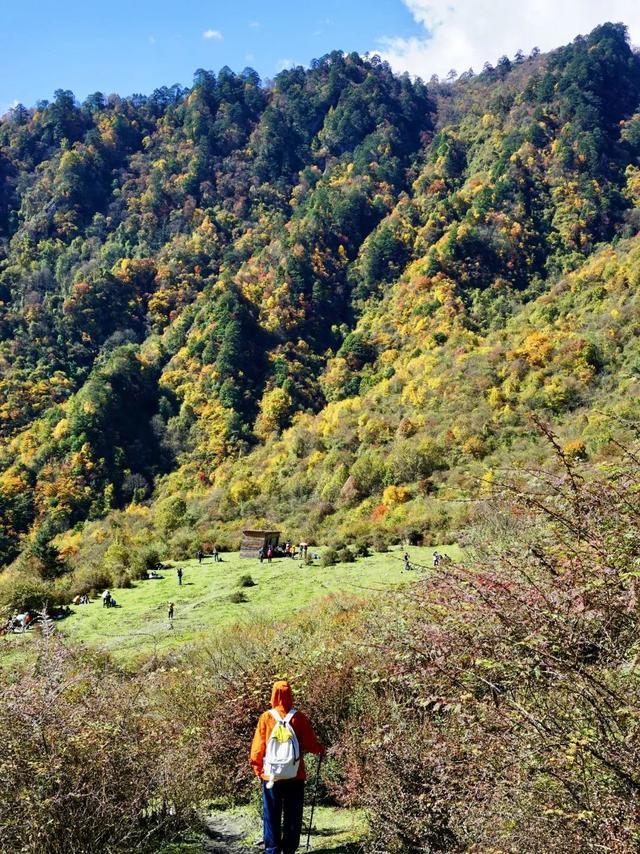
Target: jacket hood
<point>281,697</point>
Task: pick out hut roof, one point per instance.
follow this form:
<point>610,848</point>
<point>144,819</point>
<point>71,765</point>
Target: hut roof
<point>252,533</point>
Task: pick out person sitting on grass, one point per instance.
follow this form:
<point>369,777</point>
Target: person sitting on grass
<point>281,738</point>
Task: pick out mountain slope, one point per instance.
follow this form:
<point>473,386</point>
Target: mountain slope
<point>402,274</point>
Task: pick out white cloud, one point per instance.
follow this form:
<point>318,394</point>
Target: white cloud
<point>216,35</point>
<point>467,33</point>
<point>281,64</point>
<point>5,109</point>
<point>152,39</point>
<point>254,25</point>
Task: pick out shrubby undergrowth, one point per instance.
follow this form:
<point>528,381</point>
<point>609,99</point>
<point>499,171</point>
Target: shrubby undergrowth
<point>493,706</point>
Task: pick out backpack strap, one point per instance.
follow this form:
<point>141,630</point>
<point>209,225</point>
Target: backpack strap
<point>276,716</point>
<point>287,723</point>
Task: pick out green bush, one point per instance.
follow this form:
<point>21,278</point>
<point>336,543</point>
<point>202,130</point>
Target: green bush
<point>184,544</point>
<point>329,557</point>
<point>144,561</point>
<point>91,579</point>
<point>122,580</point>
<point>380,542</point>
<point>362,548</point>
<point>238,597</point>
<point>21,593</point>
<point>246,581</point>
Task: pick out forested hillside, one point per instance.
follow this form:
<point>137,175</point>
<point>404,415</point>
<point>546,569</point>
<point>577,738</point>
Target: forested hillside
<point>332,302</point>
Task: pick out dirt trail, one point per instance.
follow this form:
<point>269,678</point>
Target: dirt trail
<point>226,834</point>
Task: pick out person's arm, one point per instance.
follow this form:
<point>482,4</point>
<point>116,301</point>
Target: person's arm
<point>306,736</point>
<point>259,746</point>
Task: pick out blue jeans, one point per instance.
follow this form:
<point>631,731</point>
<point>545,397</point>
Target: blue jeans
<point>282,816</point>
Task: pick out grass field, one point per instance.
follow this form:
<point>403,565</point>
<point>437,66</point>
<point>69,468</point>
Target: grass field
<point>139,626</point>
<point>335,830</point>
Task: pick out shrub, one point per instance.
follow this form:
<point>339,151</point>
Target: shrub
<point>380,542</point>
<point>246,581</point>
<point>184,544</point>
<point>394,495</point>
<point>143,561</point>
<point>345,555</point>
<point>118,559</point>
<point>90,580</point>
<point>122,580</point>
<point>238,597</point>
<point>329,557</point>
<point>21,593</point>
<point>96,773</point>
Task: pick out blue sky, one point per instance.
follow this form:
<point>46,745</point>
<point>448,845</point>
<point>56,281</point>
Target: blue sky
<point>128,46</point>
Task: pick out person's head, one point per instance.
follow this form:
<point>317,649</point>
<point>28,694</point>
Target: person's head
<point>281,696</point>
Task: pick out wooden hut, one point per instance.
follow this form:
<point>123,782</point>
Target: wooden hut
<point>253,541</point>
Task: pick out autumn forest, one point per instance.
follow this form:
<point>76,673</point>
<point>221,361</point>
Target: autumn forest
<point>369,310</point>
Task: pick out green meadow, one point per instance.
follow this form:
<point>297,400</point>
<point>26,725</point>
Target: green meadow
<point>139,626</point>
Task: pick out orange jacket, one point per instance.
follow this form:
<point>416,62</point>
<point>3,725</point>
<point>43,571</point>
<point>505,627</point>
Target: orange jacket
<point>282,702</point>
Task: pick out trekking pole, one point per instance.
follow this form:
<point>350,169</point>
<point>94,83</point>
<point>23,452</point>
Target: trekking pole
<point>315,795</point>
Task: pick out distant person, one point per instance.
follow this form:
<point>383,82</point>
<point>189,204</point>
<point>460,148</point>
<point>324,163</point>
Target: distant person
<point>180,576</point>
<point>261,553</point>
<point>437,558</point>
<point>200,555</point>
<point>269,554</point>
<point>282,737</point>
<point>216,556</point>
<point>170,612</point>
<point>407,562</point>
<point>106,599</point>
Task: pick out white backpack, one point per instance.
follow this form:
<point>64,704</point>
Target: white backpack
<point>282,756</point>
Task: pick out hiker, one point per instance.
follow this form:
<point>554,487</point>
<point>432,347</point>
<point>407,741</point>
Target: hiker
<point>282,737</point>
<point>170,612</point>
<point>106,599</point>
<point>200,555</point>
<point>407,562</point>
<point>437,557</point>
<point>269,554</point>
<point>180,576</point>
<point>261,553</point>
<point>215,555</point>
